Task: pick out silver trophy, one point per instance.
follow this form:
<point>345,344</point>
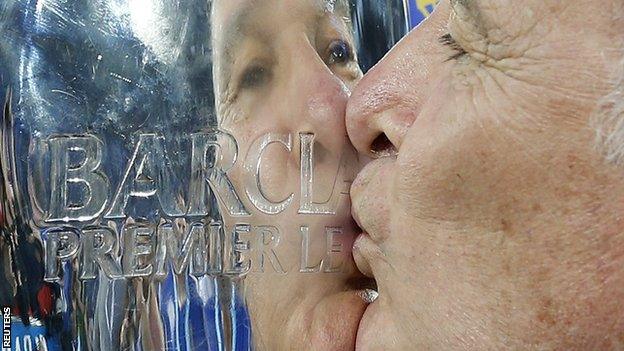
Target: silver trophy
<point>175,174</point>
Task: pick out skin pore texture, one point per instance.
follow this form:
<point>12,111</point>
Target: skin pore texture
<point>494,221</point>
<point>286,67</point>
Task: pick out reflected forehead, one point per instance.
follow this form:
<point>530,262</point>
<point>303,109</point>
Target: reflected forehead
<point>243,19</point>
<point>235,13</point>
<point>238,17</point>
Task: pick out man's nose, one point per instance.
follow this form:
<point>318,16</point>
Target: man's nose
<point>385,103</point>
<point>378,116</point>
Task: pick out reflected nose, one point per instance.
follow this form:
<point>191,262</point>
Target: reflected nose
<point>318,95</point>
<point>316,100</point>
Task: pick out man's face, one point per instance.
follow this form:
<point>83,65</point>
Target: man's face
<point>284,69</point>
<point>490,219</point>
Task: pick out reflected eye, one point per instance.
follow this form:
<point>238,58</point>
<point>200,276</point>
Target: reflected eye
<point>254,77</point>
<point>339,52</point>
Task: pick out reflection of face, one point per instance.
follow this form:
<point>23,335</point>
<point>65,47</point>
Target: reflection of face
<point>285,67</point>
<point>498,224</point>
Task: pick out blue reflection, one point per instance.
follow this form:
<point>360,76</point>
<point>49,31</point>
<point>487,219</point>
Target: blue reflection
<point>419,10</point>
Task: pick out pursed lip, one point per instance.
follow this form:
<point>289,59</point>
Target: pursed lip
<point>362,246</point>
<point>367,185</point>
<point>367,200</point>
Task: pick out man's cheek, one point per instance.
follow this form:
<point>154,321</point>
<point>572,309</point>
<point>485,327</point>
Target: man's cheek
<point>425,175</point>
<point>379,324</point>
<point>427,154</point>
<point>446,167</point>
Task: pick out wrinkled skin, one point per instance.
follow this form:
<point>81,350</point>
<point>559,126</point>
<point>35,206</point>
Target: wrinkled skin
<point>497,224</point>
<point>275,73</point>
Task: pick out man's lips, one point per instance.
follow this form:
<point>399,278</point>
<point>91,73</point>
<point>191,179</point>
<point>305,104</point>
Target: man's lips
<point>361,246</point>
<point>370,197</point>
<point>369,209</point>
<point>366,285</point>
<point>365,249</point>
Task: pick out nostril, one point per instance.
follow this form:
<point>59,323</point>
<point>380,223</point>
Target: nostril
<point>382,146</point>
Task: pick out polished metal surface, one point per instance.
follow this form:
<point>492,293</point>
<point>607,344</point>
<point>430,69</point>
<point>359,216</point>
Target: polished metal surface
<point>108,86</point>
<point>115,181</point>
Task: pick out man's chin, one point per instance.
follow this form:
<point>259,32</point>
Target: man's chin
<point>372,331</point>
